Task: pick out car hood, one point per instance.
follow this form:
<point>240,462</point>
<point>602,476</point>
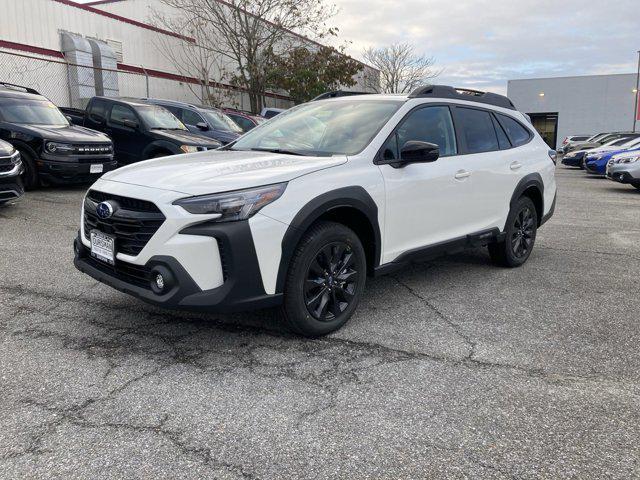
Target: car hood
<point>224,136</point>
<point>69,134</point>
<point>185,137</point>
<point>219,171</point>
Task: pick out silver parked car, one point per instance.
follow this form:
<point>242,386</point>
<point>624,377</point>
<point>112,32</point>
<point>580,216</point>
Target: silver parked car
<point>625,168</point>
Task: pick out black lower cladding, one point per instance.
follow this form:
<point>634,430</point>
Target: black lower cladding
<point>10,188</point>
<point>241,290</point>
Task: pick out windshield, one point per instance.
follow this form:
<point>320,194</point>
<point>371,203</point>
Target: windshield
<point>155,116</point>
<point>35,112</point>
<point>220,121</point>
<point>343,127</point>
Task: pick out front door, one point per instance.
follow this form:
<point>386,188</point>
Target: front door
<point>127,141</point>
<point>426,203</point>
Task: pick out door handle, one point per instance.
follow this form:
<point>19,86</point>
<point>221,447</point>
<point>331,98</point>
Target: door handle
<point>515,166</point>
<point>461,174</point>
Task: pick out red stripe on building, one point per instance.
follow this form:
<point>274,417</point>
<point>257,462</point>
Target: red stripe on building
<point>31,49</point>
<point>113,16</point>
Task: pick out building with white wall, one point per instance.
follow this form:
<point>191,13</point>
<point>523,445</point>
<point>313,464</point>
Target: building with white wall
<point>31,52</point>
<point>576,105</point>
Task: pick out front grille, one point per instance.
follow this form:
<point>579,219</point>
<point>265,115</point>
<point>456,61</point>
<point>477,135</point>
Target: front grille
<point>8,163</point>
<point>137,275</point>
<point>133,222</point>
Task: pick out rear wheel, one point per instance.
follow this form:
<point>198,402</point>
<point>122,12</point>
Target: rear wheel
<point>520,235</point>
<point>30,174</point>
<point>325,280</point>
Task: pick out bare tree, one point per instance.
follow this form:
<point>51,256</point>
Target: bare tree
<point>401,69</point>
<point>192,57</point>
<point>243,35</point>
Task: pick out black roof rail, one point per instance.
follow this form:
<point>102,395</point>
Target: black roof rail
<point>468,94</point>
<point>19,87</point>
<point>338,93</point>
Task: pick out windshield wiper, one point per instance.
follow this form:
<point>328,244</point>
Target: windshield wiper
<point>167,128</point>
<point>278,150</point>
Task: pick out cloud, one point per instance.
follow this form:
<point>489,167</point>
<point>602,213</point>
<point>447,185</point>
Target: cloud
<point>484,43</point>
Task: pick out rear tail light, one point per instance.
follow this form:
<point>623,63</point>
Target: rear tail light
<point>553,155</point>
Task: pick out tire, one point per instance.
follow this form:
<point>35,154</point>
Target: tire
<point>30,175</point>
<point>325,280</point>
<point>520,235</point>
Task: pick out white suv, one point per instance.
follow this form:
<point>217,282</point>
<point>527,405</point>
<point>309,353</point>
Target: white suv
<point>300,210</point>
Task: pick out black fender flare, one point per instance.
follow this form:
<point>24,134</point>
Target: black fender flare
<point>531,180</point>
<point>355,197</point>
<point>160,145</point>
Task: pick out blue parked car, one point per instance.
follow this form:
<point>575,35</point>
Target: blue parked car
<point>596,163</point>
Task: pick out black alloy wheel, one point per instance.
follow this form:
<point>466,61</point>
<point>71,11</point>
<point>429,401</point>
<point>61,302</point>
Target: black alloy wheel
<point>519,235</point>
<point>332,278</point>
<point>325,279</point>
<point>523,233</point>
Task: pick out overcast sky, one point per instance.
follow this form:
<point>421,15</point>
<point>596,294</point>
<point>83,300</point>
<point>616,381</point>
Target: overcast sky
<point>484,43</point>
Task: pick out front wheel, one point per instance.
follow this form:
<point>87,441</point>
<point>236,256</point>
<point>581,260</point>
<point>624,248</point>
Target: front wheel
<point>30,175</point>
<point>325,280</point>
<point>520,235</point>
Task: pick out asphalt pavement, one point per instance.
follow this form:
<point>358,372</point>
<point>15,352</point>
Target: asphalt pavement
<point>449,369</point>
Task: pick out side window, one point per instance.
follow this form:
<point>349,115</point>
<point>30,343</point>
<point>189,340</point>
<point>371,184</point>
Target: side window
<point>428,124</point>
<point>503,140</point>
<point>120,113</point>
<point>477,129</point>
<point>244,123</point>
<point>175,110</point>
<point>516,132</point>
<point>191,118</point>
<point>98,110</point>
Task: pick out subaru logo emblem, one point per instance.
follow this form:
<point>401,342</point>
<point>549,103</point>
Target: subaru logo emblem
<point>104,210</point>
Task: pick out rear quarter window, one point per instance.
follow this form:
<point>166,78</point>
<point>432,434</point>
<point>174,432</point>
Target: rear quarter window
<point>518,134</point>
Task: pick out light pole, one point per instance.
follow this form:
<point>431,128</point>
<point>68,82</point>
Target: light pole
<point>635,108</point>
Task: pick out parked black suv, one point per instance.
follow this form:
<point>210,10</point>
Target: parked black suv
<point>52,149</point>
<point>139,130</point>
<point>10,171</point>
<point>202,120</point>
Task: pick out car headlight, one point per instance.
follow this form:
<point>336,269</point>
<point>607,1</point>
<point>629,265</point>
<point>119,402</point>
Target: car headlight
<point>189,148</point>
<point>628,159</point>
<point>236,205</point>
<point>56,147</point>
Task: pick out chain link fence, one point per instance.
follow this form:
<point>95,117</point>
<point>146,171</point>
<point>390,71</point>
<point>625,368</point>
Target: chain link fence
<point>72,85</point>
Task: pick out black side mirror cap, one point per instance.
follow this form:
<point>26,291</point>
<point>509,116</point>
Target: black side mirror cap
<point>202,126</point>
<point>413,151</point>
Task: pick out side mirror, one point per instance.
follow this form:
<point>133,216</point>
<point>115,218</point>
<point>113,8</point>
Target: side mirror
<point>202,126</point>
<point>419,152</point>
<point>69,119</point>
<point>130,123</point>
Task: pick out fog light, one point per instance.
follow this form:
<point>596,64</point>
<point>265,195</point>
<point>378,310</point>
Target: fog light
<point>161,280</point>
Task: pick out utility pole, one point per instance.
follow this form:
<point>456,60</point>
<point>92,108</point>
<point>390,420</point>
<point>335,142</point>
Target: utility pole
<point>635,108</point>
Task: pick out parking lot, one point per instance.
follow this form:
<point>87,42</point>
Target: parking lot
<point>449,369</point>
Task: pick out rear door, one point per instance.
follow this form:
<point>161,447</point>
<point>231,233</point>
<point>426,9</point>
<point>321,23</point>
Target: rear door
<point>96,115</point>
<point>496,165</point>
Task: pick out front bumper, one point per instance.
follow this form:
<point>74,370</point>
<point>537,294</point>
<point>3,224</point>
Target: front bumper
<point>624,173</point>
<point>11,188</point>
<point>573,161</point>
<point>74,169</point>
<point>595,167</point>
<point>242,288</point>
